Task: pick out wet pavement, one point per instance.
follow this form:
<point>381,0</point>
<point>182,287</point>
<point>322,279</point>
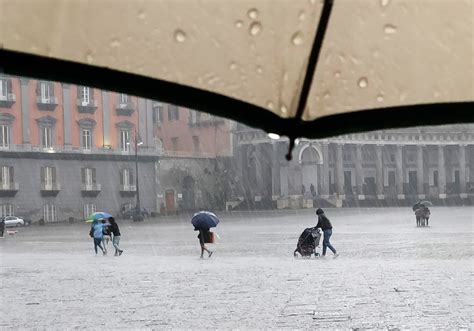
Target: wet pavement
<point>390,274</point>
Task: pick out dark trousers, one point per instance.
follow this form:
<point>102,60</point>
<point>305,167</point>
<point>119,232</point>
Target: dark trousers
<point>97,243</point>
<point>326,243</point>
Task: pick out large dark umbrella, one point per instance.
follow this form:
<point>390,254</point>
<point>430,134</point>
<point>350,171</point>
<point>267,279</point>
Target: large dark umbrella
<point>204,220</point>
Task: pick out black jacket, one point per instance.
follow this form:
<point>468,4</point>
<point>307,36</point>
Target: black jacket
<point>114,228</point>
<point>324,223</point>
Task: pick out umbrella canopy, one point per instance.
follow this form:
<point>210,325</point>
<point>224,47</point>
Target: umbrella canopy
<point>293,67</point>
<point>97,215</point>
<point>204,220</point>
<point>426,203</point>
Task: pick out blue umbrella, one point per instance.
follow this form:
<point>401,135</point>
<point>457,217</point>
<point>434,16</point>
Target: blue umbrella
<point>97,215</point>
<point>204,220</point>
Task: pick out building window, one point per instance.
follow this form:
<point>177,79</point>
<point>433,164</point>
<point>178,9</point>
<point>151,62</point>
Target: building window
<point>86,139</point>
<point>45,91</point>
<point>347,157</point>
<point>126,178</point>
<point>174,142</point>
<point>391,178</point>
<point>197,147</point>
<point>88,177</point>
<point>173,113</point>
<point>49,213</point>
<point>89,208</point>
<point>123,98</point>
<point>124,140</point>
<point>126,206</point>
<point>435,178</point>
<point>48,177</point>
<point>194,117</point>
<point>4,88</point>
<point>85,94</point>
<point>7,210</point>
<point>4,136</point>
<point>392,157</point>
<point>157,113</point>
<point>6,176</point>
<point>46,137</point>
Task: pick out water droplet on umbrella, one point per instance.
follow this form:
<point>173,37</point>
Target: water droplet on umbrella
<point>363,82</point>
<point>232,66</point>
<point>255,28</point>
<point>384,3</point>
<point>270,105</point>
<point>337,74</point>
<point>283,109</point>
<point>253,13</point>
<point>297,38</point>
<point>141,15</point>
<point>301,15</point>
<point>114,43</point>
<point>327,95</point>
<point>380,97</point>
<point>239,24</point>
<point>180,36</point>
<point>89,57</point>
<point>390,29</point>
<point>259,70</point>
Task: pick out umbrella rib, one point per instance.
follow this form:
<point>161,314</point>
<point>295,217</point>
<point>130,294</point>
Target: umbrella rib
<point>314,56</point>
<point>311,68</point>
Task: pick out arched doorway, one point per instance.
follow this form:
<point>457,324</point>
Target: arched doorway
<point>189,201</point>
<point>309,159</point>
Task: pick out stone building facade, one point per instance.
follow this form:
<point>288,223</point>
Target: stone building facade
<point>390,167</point>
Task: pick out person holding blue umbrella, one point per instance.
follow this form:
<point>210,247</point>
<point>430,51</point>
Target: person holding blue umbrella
<point>203,221</point>
<point>97,234</point>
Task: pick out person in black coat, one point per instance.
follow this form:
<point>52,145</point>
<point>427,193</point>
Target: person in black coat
<point>114,228</point>
<point>325,225</point>
<point>203,234</point>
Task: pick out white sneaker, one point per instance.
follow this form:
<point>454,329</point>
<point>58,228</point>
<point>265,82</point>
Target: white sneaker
<point>335,255</point>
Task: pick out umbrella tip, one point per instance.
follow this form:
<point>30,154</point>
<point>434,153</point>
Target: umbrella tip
<point>289,156</point>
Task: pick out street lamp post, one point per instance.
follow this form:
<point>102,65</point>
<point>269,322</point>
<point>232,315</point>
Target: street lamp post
<point>137,215</point>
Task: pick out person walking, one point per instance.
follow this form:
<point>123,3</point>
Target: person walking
<point>203,234</point>
<point>97,233</point>
<point>325,225</point>
<point>2,226</point>
<point>114,229</point>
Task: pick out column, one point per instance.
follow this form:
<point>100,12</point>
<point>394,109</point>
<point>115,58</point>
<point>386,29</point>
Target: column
<point>150,141</point>
<point>379,172</point>
<point>462,171</point>
<point>67,116</point>
<point>399,166</point>
<point>106,118</point>
<point>142,121</point>
<point>25,112</point>
<point>359,172</point>
<point>441,173</point>
<point>420,173</point>
<point>276,186</point>
<point>325,172</point>
<point>339,171</point>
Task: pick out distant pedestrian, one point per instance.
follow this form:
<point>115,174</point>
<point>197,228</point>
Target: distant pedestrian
<point>204,236</point>
<point>326,226</point>
<point>97,233</point>
<point>303,189</point>
<point>114,228</point>
<point>2,226</point>
<point>312,190</point>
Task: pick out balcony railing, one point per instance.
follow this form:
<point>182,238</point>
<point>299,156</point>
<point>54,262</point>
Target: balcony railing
<point>8,189</point>
<point>91,189</point>
<point>88,107</point>
<point>7,100</point>
<point>48,103</point>
<point>125,109</point>
<point>128,190</point>
<point>50,189</point>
